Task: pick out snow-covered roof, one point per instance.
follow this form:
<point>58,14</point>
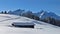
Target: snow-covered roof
<point>23,23</point>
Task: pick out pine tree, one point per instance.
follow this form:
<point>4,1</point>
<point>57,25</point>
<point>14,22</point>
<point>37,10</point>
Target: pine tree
<point>2,12</point>
<point>5,12</point>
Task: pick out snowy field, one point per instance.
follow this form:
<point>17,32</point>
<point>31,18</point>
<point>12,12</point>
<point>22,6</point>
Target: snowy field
<point>39,28</point>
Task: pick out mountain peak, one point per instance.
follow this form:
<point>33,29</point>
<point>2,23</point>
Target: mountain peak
<point>45,14</point>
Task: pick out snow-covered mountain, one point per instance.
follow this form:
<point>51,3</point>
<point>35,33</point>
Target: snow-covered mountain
<point>44,14</point>
<point>40,27</point>
<point>16,12</point>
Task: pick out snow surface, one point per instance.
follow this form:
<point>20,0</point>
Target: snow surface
<point>40,27</point>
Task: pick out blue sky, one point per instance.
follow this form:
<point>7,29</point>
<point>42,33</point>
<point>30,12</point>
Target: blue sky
<point>33,5</point>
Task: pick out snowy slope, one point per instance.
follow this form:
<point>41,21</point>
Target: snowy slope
<point>40,27</point>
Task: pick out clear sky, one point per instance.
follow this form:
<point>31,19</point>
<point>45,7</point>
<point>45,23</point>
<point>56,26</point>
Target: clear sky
<point>33,5</point>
